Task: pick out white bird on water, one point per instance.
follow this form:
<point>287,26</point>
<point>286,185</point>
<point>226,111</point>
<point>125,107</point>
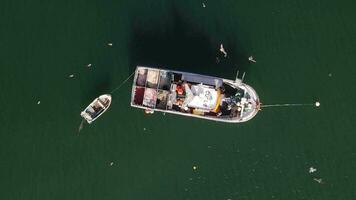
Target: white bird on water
<point>319,180</point>
<point>251,59</point>
<point>203,5</point>
<point>312,170</point>
<point>71,76</point>
<point>89,65</point>
<point>222,50</point>
<point>110,44</point>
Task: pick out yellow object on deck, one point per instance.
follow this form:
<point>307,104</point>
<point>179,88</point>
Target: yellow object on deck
<point>217,102</point>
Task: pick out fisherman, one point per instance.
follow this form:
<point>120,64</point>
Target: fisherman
<point>180,89</point>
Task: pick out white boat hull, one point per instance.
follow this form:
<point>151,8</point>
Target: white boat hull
<point>96,108</point>
<point>151,88</point>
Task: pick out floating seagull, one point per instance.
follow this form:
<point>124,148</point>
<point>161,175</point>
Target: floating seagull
<point>312,170</point>
<point>110,44</point>
<point>317,104</point>
<point>71,76</point>
<point>38,102</point>
<point>203,5</point>
<point>112,163</point>
<point>319,180</point>
<point>195,167</point>
<point>222,50</point>
<point>89,65</point>
<point>251,59</point>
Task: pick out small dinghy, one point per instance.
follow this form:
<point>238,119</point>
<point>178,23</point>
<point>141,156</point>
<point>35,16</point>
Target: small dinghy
<point>96,108</point>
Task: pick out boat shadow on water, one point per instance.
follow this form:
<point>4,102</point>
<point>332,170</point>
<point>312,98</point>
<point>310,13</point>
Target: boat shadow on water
<point>181,44</point>
<point>99,82</point>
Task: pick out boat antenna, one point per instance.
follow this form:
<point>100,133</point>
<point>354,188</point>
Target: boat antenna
<point>242,78</point>
<point>316,104</point>
<point>121,84</point>
<point>237,75</point>
<point>237,80</point>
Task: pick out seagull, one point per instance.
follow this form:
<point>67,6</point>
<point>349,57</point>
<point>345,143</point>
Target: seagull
<point>251,59</point>
<point>222,50</point>
<point>319,180</point>
<point>110,44</point>
<point>312,170</point>
<point>89,65</point>
<point>71,76</point>
<point>204,5</point>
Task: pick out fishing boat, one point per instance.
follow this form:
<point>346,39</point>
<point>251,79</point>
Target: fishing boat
<point>96,108</point>
<point>193,95</point>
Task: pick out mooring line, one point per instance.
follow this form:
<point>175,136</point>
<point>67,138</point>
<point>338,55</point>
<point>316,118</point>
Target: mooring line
<point>317,104</point>
<point>118,87</point>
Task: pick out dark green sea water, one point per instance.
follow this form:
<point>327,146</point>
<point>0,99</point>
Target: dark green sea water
<point>305,52</point>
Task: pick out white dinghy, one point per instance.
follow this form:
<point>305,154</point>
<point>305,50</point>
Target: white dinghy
<point>96,108</point>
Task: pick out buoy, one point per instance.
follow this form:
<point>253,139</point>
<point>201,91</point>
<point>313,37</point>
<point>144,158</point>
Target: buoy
<point>317,104</point>
<point>148,111</point>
